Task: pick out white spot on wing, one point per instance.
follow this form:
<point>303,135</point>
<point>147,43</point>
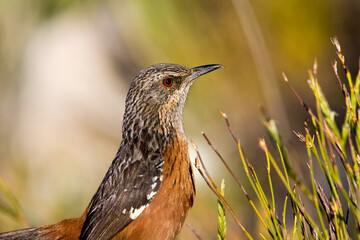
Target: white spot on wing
<point>153,185</point>
<point>134,213</point>
<point>150,195</point>
<point>124,211</point>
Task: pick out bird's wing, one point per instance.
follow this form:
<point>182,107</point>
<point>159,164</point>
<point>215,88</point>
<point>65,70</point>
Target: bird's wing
<point>130,184</point>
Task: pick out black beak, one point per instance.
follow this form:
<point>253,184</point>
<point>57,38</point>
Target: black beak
<point>201,70</point>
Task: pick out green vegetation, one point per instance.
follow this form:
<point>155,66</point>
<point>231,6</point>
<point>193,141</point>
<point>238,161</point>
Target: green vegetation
<point>9,205</point>
<point>221,214</point>
<point>334,148</point>
<point>336,151</point>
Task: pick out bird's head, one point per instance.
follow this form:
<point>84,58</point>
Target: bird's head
<point>158,93</point>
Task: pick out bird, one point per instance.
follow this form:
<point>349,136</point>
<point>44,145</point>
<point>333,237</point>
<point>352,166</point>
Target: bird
<point>149,187</point>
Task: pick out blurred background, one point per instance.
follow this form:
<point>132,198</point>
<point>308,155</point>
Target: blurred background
<point>65,68</point>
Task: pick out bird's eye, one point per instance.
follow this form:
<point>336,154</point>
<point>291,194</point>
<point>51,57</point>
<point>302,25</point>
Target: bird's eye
<point>168,82</point>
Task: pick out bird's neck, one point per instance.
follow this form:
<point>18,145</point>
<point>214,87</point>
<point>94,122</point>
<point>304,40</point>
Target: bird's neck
<point>159,128</point>
<point>170,116</point>
<point>165,121</point>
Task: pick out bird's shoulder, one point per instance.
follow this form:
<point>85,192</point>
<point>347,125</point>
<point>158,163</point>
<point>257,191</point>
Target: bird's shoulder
<point>128,187</point>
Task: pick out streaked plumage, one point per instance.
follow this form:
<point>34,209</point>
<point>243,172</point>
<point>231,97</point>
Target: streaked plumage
<point>149,186</point>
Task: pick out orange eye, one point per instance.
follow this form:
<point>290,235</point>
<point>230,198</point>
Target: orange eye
<point>168,82</point>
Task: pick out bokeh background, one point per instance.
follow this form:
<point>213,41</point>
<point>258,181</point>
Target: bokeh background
<point>65,68</point>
